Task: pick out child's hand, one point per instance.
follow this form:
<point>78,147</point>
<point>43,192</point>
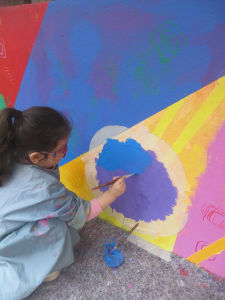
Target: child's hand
<point>119,187</point>
<point>116,190</point>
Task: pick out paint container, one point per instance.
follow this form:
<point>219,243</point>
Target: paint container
<point>113,257</point>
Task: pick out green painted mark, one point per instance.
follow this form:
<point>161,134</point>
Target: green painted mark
<point>167,40</point>
<point>2,102</point>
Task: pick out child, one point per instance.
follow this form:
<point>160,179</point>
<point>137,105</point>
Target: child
<point>39,217</point>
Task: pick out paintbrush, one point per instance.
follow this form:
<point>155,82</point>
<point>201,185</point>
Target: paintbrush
<point>110,182</point>
<point>124,237</point>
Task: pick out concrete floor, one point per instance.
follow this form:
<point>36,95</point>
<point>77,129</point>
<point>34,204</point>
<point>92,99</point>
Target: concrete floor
<point>141,276</point>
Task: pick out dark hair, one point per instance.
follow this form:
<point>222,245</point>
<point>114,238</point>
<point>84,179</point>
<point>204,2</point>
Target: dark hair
<point>35,129</point>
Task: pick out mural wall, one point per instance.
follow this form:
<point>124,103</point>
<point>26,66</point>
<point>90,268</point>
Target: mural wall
<point>143,84</point>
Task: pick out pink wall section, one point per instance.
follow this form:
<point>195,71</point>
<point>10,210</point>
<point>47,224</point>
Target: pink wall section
<point>206,222</point>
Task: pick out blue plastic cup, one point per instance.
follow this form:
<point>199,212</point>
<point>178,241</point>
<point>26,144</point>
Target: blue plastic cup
<point>113,257</point>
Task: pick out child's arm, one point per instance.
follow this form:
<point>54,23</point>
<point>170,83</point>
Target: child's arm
<point>45,197</point>
<point>116,190</point>
<point>95,209</point>
<point>99,204</point>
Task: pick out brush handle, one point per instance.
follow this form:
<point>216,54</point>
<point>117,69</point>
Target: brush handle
<point>110,182</point>
<point>105,184</point>
<point>122,240</point>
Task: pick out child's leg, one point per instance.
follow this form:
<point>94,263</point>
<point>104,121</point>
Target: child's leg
<point>52,276</point>
<point>32,252</point>
<point>75,238</point>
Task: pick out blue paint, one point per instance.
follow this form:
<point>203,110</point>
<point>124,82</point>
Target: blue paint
<point>150,196</point>
<point>113,257</point>
<point>128,156</point>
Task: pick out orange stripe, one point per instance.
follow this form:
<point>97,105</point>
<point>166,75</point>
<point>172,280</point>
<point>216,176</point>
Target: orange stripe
<point>208,251</point>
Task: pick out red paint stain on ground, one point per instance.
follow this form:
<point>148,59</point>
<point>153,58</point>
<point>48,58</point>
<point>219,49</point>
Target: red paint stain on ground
<point>183,272</point>
<point>201,284</point>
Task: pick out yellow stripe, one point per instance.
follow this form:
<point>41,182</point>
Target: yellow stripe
<point>207,108</point>
<point>168,116</point>
<point>208,251</point>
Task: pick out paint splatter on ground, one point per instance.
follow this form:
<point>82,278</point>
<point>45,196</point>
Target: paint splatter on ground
<point>183,272</point>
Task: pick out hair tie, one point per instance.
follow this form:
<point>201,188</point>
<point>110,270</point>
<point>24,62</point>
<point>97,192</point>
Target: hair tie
<point>17,115</point>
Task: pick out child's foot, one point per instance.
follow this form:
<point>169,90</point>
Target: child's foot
<point>52,276</point>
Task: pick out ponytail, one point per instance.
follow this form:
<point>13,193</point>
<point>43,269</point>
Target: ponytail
<point>9,119</point>
<point>35,129</point>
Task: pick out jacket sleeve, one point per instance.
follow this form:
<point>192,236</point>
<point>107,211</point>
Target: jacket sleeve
<point>46,197</point>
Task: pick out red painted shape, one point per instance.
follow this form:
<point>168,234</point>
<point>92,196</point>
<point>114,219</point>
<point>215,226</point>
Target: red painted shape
<point>183,272</point>
<point>215,215</point>
<point>19,26</point>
